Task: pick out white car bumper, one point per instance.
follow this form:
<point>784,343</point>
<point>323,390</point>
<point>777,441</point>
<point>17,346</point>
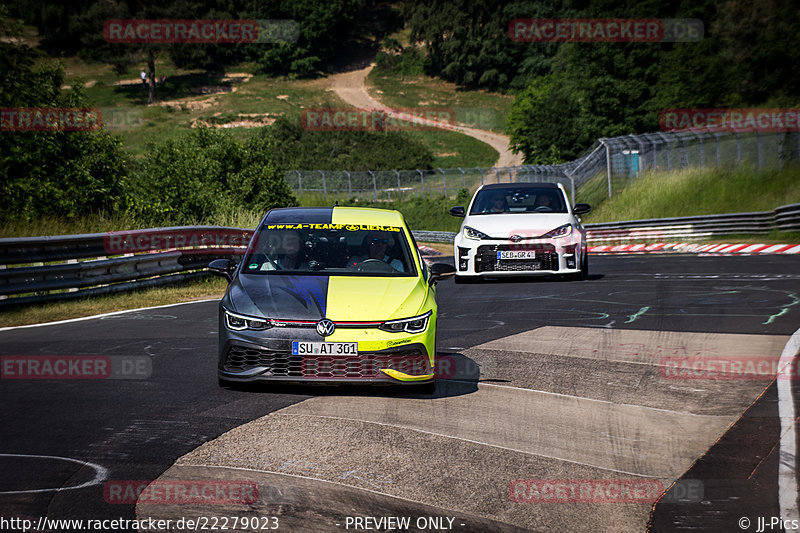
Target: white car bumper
<point>552,256</point>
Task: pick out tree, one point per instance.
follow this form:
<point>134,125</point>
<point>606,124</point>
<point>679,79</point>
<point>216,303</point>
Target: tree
<point>59,173</point>
<point>206,172</point>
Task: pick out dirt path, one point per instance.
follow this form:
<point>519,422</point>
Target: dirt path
<point>350,87</point>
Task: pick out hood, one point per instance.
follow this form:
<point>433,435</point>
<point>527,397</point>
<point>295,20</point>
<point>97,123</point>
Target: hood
<point>503,225</point>
<point>374,298</point>
<point>279,296</point>
<point>354,298</point>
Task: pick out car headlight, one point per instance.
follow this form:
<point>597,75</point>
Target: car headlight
<point>415,324</point>
<point>238,322</point>
<point>475,235</point>
<point>561,231</point>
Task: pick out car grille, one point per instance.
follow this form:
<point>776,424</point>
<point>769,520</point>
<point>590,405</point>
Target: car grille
<point>486,258</point>
<point>284,364</point>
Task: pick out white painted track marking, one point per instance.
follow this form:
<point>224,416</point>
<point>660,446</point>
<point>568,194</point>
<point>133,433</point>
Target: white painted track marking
<point>101,473</point>
<point>79,319</point>
<point>787,466</point>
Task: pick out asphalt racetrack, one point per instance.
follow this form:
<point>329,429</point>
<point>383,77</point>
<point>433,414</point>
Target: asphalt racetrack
<point>565,406</point>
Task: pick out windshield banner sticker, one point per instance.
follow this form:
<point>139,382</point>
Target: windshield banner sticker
<point>348,227</point>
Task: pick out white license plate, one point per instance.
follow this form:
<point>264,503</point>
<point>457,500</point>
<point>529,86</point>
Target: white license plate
<point>516,254</point>
<point>324,348</point>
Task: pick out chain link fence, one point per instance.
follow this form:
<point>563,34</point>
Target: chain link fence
<point>626,156</point>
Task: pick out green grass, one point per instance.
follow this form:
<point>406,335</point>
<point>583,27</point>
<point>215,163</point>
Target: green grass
<point>102,222</point>
<point>180,105</point>
<point>206,288</point>
<point>478,109</point>
<point>695,191</point>
<point>452,149</point>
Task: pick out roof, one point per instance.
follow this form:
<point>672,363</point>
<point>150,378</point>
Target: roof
<point>520,185</point>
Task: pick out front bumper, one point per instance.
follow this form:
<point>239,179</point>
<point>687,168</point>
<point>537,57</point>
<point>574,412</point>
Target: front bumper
<point>479,258</point>
<point>243,362</point>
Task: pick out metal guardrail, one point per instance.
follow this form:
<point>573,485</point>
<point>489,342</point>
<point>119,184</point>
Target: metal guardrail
<point>117,261</point>
<point>128,260</point>
<point>784,218</point>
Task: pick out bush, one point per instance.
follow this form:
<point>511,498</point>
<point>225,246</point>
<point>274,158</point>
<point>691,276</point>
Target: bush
<point>296,148</point>
<point>405,61</point>
<point>208,172</point>
<point>58,173</point>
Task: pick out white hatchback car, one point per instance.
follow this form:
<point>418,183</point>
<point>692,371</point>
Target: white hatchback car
<point>520,229</point>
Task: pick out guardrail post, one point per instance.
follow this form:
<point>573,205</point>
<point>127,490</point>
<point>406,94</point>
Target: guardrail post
<point>374,186</point>
<point>481,170</point>
<point>463,179</point>
<point>497,174</point>
<point>299,182</point>
<point>510,176</point>
<point>444,181</point>
<point>421,184</point>
<point>349,185</point>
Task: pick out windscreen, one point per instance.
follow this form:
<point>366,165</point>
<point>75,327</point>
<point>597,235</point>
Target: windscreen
<point>518,200</point>
<point>334,249</point>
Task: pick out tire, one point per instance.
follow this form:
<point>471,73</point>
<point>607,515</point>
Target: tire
<point>584,272</point>
<point>584,266</point>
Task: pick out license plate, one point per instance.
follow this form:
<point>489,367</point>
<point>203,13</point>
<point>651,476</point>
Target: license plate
<point>516,254</point>
<point>324,348</point>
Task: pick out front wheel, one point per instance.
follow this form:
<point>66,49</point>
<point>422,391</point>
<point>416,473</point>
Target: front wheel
<point>584,266</point>
<point>584,273</point>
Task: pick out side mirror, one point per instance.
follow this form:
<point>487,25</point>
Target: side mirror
<point>458,211</point>
<point>581,209</point>
<point>223,267</point>
<point>440,271</point>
